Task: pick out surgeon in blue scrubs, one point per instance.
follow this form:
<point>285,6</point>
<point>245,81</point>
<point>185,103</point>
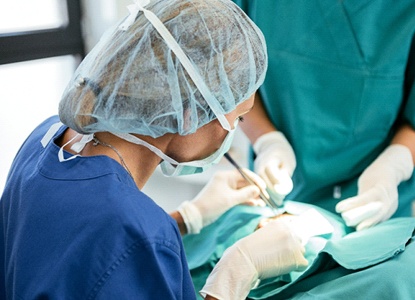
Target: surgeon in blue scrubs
<point>165,87</point>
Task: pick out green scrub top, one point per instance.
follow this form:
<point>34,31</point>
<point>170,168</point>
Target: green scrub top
<point>340,80</point>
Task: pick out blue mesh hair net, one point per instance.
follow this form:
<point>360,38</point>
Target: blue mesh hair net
<point>132,81</point>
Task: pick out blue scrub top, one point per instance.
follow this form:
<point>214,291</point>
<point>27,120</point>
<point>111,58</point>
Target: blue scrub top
<point>82,230</point>
<point>339,82</point>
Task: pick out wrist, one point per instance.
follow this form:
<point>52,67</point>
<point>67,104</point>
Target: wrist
<point>180,222</point>
<point>233,277</point>
<point>191,217</point>
<point>267,139</point>
<point>400,158</point>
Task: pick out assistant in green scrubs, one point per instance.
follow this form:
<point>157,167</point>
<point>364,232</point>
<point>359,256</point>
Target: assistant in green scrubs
<point>340,86</point>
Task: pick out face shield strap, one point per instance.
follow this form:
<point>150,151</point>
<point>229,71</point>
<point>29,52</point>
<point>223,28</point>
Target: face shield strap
<point>178,51</point>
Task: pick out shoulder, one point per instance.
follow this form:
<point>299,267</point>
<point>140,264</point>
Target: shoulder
<point>150,220</point>
<point>150,254</point>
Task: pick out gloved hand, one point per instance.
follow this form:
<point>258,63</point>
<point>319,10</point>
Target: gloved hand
<point>377,197</point>
<point>275,163</point>
<point>225,190</point>
<point>268,252</point>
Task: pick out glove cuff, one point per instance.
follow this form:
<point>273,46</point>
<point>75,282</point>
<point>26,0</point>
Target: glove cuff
<point>402,158</point>
<point>232,278</point>
<point>269,138</point>
<point>191,216</point>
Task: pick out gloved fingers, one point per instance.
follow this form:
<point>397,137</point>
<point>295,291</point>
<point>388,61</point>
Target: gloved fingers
<point>280,180</point>
<point>357,201</point>
<point>276,179</point>
<point>261,163</point>
<point>348,204</point>
<point>387,209</point>
<point>231,178</point>
<point>281,231</point>
<point>282,251</point>
<point>368,223</point>
<point>255,178</point>
<point>357,215</point>
<point>274,232</point>
<point>302,262</point>
<point>242,195</point>
<point>274,145</point>
<point>255,202</point>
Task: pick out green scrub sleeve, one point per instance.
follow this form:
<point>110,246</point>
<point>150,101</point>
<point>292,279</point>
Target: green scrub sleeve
<point>409,110</point>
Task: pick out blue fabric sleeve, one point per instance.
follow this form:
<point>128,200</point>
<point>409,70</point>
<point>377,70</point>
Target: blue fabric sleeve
<point>147,271</point>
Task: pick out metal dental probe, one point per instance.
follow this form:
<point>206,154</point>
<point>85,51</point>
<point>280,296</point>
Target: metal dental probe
<point>268,201</point>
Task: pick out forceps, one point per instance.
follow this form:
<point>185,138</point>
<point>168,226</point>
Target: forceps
<point>264,197</point>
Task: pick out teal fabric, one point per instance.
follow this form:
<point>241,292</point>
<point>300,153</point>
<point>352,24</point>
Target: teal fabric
<point>340,78</point>
<point>341,257</point>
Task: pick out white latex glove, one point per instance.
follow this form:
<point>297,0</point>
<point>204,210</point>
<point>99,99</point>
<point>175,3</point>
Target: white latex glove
<point>225,190</point>
<point>377,197</point>
<point>268,252</point>
<point>275,163</point>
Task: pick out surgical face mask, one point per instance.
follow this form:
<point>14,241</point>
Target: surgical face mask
<point>199,166</point>
<point>171,167</point>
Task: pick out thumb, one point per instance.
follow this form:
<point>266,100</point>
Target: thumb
<point>245,194</point>
<point>367,223</point>
<point>281,179</point>
<point>359,214</point>
<point>302,263</point>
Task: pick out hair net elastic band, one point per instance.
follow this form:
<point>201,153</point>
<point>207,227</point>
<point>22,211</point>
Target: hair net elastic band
<point>178,51</point>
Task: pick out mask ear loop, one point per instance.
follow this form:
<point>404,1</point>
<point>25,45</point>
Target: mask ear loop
<point>178,51</point>
<point>77,147</point>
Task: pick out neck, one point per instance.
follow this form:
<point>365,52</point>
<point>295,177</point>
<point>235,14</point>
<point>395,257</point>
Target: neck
<point>138,161</point>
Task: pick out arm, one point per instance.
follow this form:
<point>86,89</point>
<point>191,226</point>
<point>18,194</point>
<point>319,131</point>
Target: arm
<point>377,198</point>
<point>275,161</point>
<point>256,122</point>
<point>180,222</point>
<point>271,251</point>
<point>225,190</point>
<point>406,137</point>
